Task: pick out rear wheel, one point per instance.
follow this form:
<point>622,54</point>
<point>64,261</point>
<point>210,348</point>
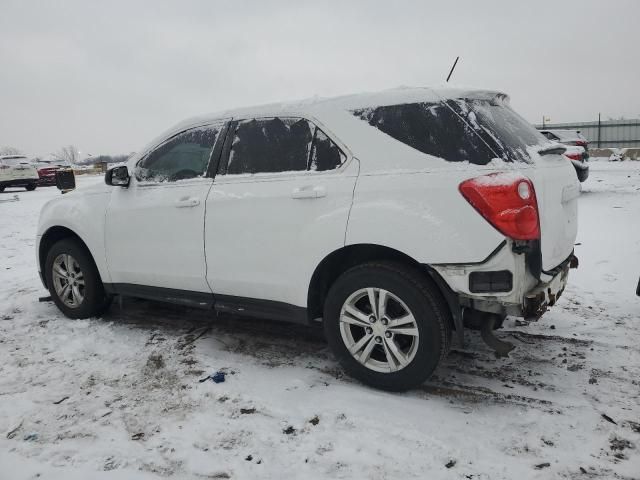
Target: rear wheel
<point>387,324</point>
<point>74,281</point>
<point>2,187</point>
<point>31,187</point>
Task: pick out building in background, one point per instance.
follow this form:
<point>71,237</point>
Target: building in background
<point>605,133</point>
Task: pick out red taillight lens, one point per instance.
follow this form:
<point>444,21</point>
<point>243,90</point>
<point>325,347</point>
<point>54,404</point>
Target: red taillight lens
<point>507,201</point>
<point>581,143</point>
<point>574,156</point>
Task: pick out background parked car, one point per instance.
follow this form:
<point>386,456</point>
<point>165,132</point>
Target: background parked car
<point>47,171</point>
<point>578,156</point>
<point>16,171</point>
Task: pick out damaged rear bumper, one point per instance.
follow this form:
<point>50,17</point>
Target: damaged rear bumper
<point>548,291</point>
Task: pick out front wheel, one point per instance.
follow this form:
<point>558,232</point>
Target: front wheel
<point>74,281</point>
<point>31,187</point>
<point>387,324</point>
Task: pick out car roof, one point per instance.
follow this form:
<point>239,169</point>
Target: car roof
<point>309,106</point>
<point>324,108</point>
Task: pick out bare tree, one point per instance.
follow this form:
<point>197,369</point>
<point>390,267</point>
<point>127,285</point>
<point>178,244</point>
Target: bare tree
<point>9,151</point>
<point>67,154</point>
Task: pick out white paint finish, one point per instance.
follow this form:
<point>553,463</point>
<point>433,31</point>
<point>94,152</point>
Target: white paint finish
<point>554,180</point>
<point>262,243</point>
<point>154,234</point>
<point>422,215</point>
<point>16,168</point>
<point>81,211</point>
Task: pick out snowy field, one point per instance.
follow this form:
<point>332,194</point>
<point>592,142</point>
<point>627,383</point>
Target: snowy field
<point>119,397</point>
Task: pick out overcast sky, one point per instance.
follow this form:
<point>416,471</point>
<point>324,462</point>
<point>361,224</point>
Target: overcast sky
<point>108,76</point>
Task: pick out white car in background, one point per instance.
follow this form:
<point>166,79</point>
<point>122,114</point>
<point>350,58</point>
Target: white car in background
<point>17,171</point>
<point>392,219</point>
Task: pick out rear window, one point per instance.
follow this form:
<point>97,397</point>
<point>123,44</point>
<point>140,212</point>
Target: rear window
<point>11,161</point>
<point>460,130</point>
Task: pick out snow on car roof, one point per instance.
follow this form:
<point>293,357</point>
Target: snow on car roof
<point>394,96</point>
<point>334,111</point>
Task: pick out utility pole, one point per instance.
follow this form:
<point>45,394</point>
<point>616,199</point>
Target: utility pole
<point>599,127</point>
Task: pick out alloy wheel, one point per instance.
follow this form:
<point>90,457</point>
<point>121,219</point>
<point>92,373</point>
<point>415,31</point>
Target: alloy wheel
<point>68,280</point>
<point>379,330</point>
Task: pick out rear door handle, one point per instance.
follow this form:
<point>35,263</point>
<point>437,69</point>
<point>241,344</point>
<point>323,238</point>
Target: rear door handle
<point>187,202</point>
<point>309,191</point>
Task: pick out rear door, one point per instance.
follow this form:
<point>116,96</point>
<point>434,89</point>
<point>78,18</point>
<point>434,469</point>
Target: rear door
<point>279,204</point>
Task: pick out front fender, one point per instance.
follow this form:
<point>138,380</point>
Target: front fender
<point>83,214</point>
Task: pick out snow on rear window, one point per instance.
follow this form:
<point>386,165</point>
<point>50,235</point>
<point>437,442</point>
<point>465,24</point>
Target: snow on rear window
<point>461,130</point>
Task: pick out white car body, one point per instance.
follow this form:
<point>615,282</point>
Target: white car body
<point>255,243</point>
<point>17,171</point>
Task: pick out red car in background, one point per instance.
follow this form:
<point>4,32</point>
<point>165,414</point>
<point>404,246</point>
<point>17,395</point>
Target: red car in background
<point>47,171</point>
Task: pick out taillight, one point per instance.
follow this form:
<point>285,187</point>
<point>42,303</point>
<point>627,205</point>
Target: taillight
<point>507,201</point>
<point>574,156</point>
<point>581,143</point>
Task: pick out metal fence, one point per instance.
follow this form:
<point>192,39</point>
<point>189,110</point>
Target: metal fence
<point>603,134</point>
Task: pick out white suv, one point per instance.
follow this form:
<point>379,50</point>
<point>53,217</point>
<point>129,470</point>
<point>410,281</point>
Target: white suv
<point>17,171</point>
<point>392,218</point>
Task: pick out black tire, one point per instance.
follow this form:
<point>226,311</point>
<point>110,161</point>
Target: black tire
<point>2,187</point>
<point>95,300</point>
<point>433,320</point>
<point>31,187</point>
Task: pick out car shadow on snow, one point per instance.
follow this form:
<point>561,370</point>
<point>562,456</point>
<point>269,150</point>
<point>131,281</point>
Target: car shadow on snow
<point>534,374</point>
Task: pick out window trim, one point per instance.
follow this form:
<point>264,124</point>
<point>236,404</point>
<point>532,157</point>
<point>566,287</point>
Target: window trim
<point>230,133</point>
<point>223,125</point>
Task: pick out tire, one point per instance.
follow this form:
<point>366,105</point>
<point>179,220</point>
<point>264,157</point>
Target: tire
<point>31,187</point>
<point>93,300</point>
<point>406,289</point>
<point>2,187</point>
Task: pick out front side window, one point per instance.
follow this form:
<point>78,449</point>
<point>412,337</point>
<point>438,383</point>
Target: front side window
<point>270,145</point>
<point>183,156</point>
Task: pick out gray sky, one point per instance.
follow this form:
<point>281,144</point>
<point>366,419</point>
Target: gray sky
<point>109,76</point>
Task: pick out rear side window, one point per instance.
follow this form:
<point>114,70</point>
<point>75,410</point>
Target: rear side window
<point>462,130</point>
<point>270,145</point>
<point>183,156</point>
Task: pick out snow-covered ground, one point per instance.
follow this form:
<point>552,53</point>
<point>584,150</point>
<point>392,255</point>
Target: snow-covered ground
<point>119,397</point>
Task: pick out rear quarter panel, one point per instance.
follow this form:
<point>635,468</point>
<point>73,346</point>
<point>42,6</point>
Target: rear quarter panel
<point>421,214</point>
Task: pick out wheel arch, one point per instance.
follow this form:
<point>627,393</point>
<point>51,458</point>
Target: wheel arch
<point>49,238</point>
<point>342,259</point>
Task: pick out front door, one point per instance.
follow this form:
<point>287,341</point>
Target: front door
<point>155,227</point>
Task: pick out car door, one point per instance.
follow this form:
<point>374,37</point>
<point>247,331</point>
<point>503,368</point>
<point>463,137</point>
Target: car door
<point>279,204</point>
<point>154,228</point>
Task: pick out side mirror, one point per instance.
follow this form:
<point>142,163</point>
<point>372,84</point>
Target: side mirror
<point>118,176</point>
<point>65,179</point>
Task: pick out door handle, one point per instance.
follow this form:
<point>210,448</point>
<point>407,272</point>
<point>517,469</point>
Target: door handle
<point>187,202</point>
<point>309,191</point>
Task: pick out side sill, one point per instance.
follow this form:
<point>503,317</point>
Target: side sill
<point>170,295</point>
<point>258,308</point>
<point>242,306</point>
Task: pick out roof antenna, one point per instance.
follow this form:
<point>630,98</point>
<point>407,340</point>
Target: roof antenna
<point>452,68</point>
